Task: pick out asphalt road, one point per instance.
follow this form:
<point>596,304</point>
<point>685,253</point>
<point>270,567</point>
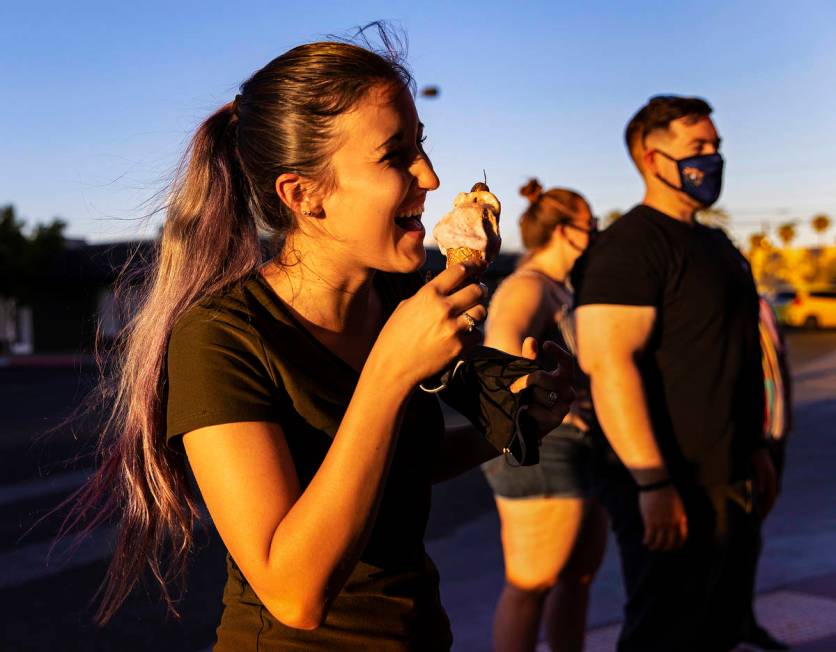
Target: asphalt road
<point>49,606</point>
<point>805,346</point>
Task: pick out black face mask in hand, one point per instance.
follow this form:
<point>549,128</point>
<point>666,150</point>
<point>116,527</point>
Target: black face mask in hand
<point>479,388</point>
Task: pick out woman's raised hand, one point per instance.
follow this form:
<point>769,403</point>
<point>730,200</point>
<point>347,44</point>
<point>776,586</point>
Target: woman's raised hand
<point>551,394</point>
<point>430,329</point>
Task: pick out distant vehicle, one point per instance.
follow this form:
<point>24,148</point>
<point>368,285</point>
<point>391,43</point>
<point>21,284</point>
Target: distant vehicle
<point>807,309</point>
<point>780,301</point>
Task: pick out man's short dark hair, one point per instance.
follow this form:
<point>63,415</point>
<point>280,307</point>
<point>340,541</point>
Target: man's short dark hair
<point>658,113</point>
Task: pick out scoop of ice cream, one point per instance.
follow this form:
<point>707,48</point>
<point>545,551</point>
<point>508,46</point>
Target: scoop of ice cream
<point>473,224</point>
<point>481,197</point>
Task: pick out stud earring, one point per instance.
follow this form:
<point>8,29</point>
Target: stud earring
<point>308,213</point>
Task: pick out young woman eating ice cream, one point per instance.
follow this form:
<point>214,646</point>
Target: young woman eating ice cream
<point>289,388</point>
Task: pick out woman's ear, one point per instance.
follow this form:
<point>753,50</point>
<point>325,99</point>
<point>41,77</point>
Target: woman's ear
<point>558,234</point>
<point>298,194</point>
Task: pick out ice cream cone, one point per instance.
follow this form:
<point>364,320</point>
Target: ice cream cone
<point>464,255</point>
<point>470,232</point>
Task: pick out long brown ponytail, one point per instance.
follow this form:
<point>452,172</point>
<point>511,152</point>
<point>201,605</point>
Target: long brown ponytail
<point>222,197</point>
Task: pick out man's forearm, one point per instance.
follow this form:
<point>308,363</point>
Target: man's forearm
<point>620,405</point>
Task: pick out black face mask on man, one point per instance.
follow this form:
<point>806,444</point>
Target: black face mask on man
<point>701,177</point>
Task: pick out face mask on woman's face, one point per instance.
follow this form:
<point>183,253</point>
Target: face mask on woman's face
<point>701,177</point>
<point>591,234</point>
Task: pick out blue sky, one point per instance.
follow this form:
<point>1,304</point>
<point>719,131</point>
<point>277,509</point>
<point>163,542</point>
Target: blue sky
<point>99,98</point>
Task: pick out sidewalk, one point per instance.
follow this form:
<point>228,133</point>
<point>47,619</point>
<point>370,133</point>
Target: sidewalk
<point>797,579</point>
<point>802,614</point>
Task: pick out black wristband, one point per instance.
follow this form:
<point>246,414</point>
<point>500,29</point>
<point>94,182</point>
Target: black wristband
<point>653,486</point>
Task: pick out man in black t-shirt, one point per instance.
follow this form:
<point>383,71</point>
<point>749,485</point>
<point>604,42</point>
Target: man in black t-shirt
<point>667,324</point>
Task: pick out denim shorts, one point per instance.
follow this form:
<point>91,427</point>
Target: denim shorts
<point>564,470</point>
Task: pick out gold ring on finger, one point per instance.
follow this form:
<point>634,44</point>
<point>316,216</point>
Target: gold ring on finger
<point>471,323</point>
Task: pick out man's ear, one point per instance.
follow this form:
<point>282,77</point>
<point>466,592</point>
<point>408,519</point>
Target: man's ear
<point>647,157</point>
<point>298,194</point>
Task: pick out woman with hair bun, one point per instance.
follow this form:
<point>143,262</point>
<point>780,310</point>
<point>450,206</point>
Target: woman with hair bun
<point>553,532</point>
<point>289,387</point>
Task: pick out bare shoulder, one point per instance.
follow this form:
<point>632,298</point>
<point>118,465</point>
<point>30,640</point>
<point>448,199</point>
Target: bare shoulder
<point>520,289</point>
<point>520,308</point>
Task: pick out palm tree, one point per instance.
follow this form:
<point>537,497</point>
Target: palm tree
<point>820,224</point>
<point>758,248</point>
<point>786,232</point>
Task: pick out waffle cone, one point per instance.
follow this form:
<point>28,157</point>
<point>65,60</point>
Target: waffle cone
<point>464,255</point>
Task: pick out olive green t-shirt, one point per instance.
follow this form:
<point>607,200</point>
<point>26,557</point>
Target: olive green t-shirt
<point>243,356</point>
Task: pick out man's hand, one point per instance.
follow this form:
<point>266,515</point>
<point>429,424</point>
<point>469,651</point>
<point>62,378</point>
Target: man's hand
<point>766,481</point>
<point>665,522</point>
